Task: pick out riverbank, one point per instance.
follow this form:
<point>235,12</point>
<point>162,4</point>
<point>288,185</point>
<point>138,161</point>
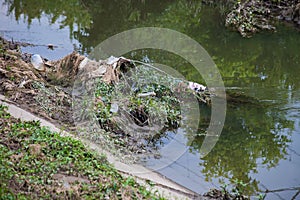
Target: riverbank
<point>150,184</point>
<point>37,163</point>
<point>32,90</point>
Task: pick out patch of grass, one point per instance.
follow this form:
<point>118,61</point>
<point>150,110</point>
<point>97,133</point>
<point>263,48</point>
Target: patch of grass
<point>161,107</point>
<point>8,68</point>
<point>36,163</point>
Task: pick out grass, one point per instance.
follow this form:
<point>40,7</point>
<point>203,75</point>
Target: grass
<point>164,104</point>
<point>120,111</point>
<point>36,163</point>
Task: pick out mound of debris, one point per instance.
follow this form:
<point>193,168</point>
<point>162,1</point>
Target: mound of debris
<point>251,16</point>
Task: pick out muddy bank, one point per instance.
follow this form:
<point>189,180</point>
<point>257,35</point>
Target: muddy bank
<point>29,87</point>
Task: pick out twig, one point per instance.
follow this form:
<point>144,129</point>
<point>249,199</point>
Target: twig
<point>151,66</point>
<point>282,189</point>
<point>297,193</point>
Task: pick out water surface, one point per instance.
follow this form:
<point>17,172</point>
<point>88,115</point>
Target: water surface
<point>259,145</point>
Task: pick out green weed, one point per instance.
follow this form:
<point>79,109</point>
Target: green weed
<point>32,157</point>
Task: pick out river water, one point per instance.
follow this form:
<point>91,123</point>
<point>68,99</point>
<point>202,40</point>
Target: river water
<point>259,144</point>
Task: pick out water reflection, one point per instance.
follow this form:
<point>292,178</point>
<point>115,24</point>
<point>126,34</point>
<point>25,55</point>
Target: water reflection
<point>111,17</point>
<point>252,137</point>
<point>265,66</point>
<point>73,12</point>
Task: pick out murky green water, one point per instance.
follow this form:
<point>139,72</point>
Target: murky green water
<point>259,145</point>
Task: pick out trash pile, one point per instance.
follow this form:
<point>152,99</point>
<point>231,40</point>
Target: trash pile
<point>119,103</point>
<point>133,104</point>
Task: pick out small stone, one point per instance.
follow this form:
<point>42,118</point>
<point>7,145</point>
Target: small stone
<point>50,46</point>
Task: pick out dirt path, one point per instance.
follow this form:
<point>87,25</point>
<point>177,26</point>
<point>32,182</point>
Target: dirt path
<point>165,186</point>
